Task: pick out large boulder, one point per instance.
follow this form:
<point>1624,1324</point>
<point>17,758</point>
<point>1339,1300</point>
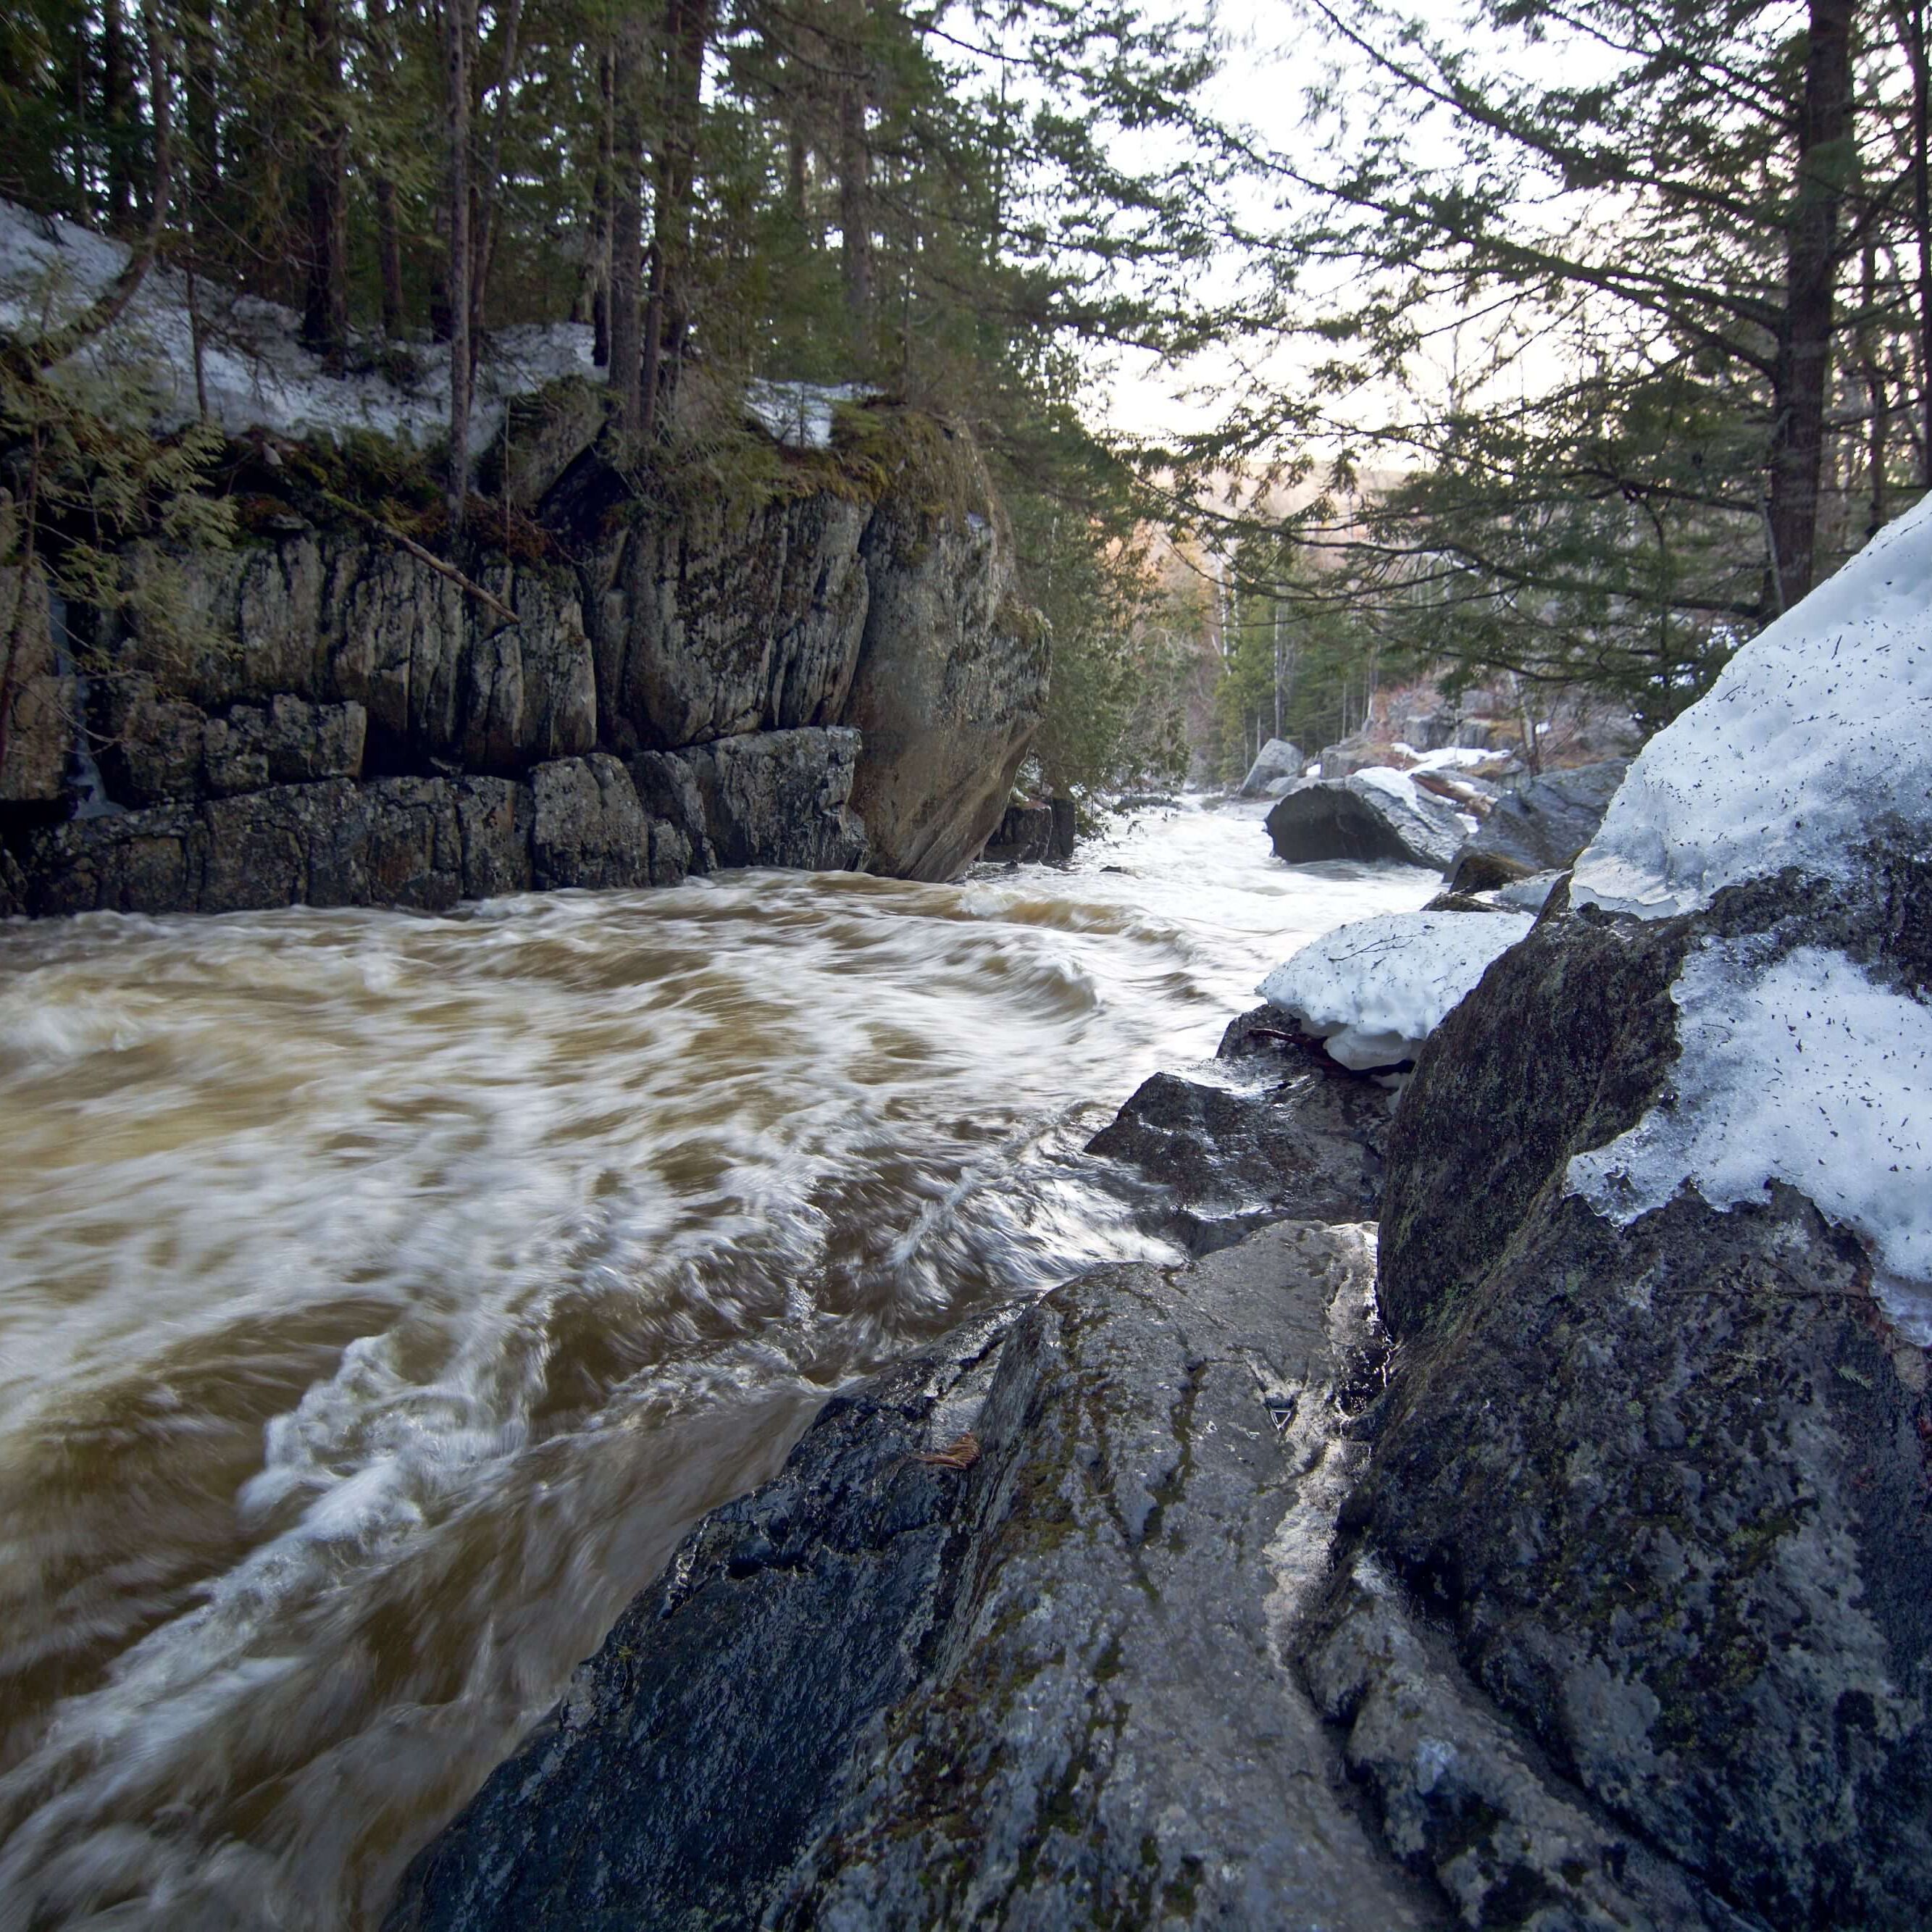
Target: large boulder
<point>1276,766</point>
<point>1205,1164</point>
<point>1038,1686</point>
<point>589,829</point>
<point>1538,827</point>
<point>952,678</point>
<point>1376,815</point>
<point>1650,1495</point>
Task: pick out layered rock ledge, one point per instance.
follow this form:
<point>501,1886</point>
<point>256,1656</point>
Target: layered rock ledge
<point>828,667</point>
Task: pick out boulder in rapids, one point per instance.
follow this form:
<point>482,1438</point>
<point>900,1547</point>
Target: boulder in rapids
<point>1650,1494</point>
<point>1377,814</point>
<point>1036,1684</point>
<point>1539,826</point>
<point>1276,766</point>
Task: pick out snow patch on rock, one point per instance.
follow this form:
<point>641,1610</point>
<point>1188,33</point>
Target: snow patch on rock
<point>255,372</point>
<point>1817,733</point>
<point>1803,1071</point>
<point>1373,990</point>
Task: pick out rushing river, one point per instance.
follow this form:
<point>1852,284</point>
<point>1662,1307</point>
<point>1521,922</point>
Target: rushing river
<point>382,1296</point>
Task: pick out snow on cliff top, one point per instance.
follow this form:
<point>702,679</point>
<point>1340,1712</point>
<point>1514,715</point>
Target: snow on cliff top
<point>257,375</point>
<point>1373,990</point>
<point>256,372</point>
<point>1818,729</point>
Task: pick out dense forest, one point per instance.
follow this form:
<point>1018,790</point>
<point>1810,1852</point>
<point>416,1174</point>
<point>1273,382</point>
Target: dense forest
<point>1569,342</point>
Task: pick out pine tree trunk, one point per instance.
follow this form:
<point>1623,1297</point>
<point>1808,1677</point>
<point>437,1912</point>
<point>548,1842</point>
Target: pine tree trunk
<point>594,293</point>
<point>204,123</point>
<point>388,235</point>
<point>487,181</point>
<point>325,295</point>
<point>627,222</point>
<point>1802,375</point>
<point>855,183</point>
<point>1909,17</point>
<point>115,98</point>
<point>667,314</point>
<point>459,55</point>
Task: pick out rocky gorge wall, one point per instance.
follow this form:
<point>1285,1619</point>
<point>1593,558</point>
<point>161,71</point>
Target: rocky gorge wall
<point>828,668</point>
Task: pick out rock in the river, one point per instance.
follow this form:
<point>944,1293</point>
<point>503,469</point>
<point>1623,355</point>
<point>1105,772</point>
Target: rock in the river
<point>1378,814</point>
<point>1539,827</point>
<point>1215,1163</point>
<point>1276,766</point>
<point>1044,1689</point>
<point>1023,837</point>
<point>1373,990</point>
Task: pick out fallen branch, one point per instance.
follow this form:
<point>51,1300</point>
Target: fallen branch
<point>439,565</point>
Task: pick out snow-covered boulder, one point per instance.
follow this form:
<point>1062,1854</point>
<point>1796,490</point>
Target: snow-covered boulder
<point>1660,1455</point>
<point>1373,990</point>
<point>1377,814</point>
<point>1276,766</point>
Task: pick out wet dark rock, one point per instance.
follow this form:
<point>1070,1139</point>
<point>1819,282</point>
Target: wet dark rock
<point>421,843</point>
<point>1042,1690</point>
<point>1355,818</point>
<point>1215,1162</point>
<point>1023,836</point>
<point>588,828</point>
<point>780,798</point>
<point>669,792</point>
<point>1539,826</point>
<point>1661,1488</point>
<point>1065,832</point>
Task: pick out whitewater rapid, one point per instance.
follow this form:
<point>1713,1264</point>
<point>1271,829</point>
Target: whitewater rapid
<point>381,1296</point>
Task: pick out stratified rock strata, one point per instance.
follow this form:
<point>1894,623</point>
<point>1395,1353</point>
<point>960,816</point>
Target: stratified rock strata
<point>838,664</point>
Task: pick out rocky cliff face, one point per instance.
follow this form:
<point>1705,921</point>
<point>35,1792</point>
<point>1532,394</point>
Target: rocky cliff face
<point>831,671</point>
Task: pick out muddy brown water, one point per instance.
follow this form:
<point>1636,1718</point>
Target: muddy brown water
<point>381,1297</point>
